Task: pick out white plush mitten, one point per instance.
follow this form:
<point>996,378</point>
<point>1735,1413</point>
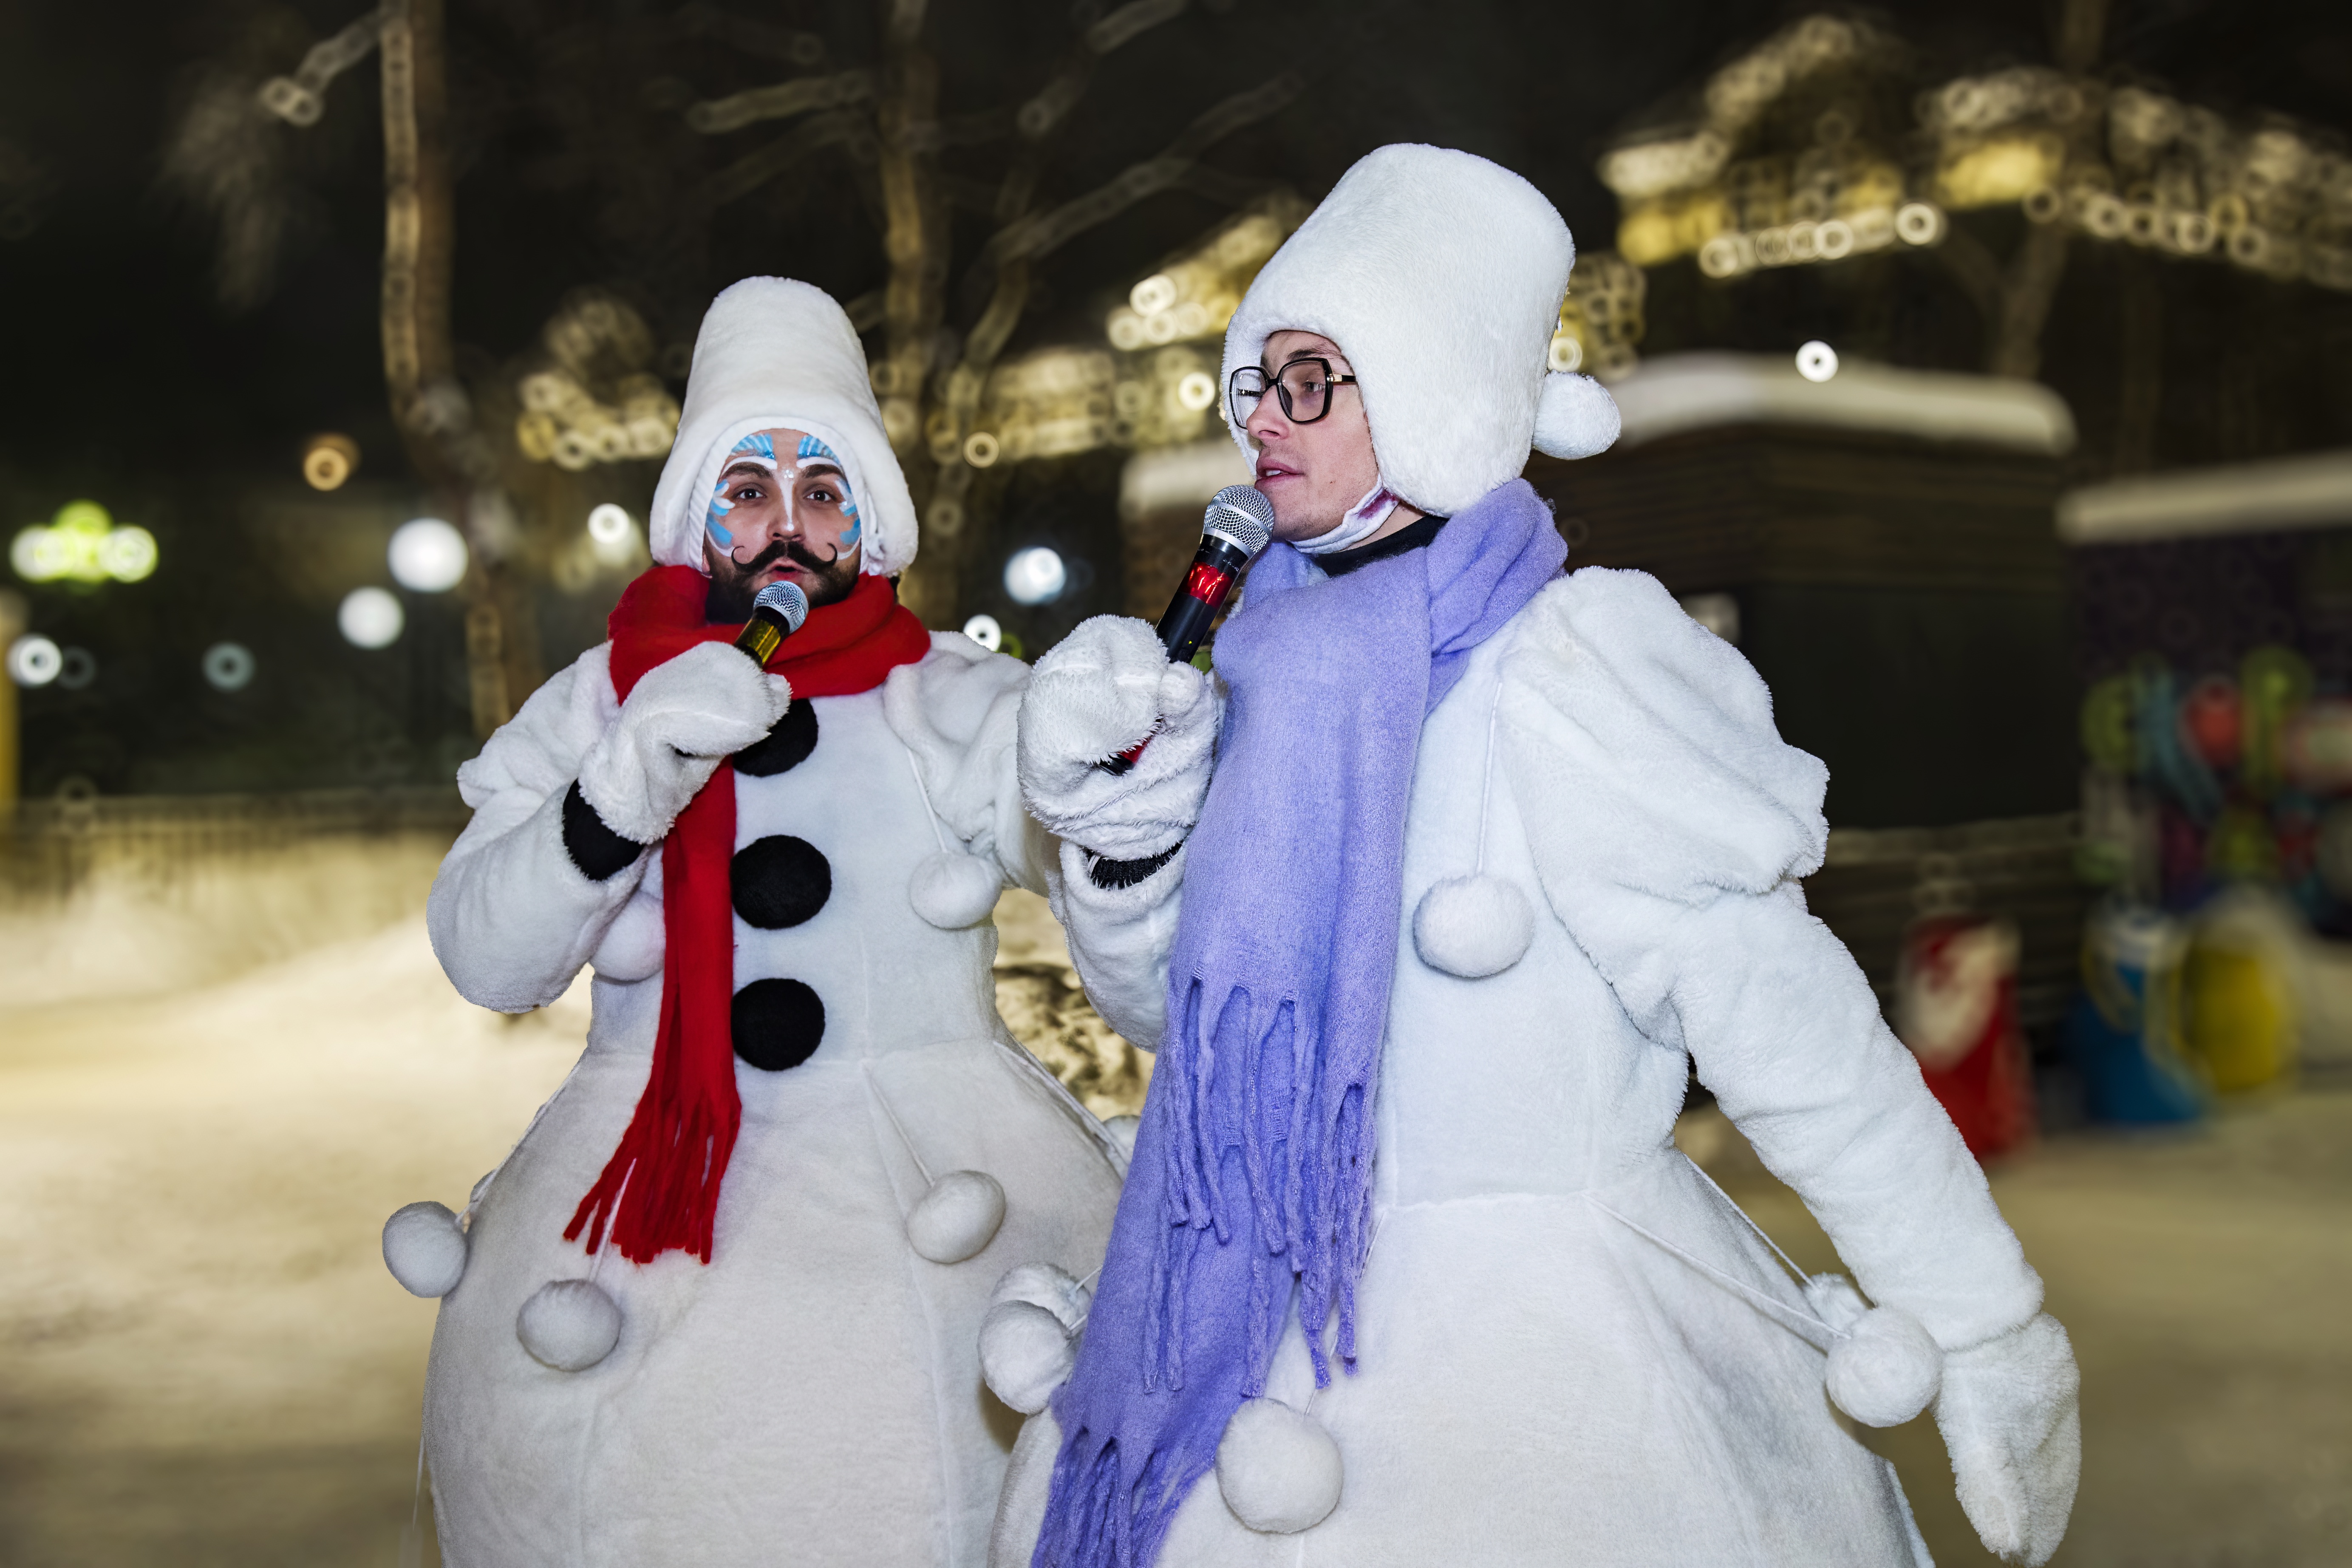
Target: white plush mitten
<point>1102,688</point>
<point>2012,1419</point>
<point>680,721</point>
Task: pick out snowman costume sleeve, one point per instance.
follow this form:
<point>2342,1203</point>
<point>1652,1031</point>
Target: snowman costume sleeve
<point>1099,691</point>
<point>1676,873</point>
<point>958,713</point>
<point>512,916</point>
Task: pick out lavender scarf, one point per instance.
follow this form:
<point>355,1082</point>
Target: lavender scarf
<point>1254,1166</point>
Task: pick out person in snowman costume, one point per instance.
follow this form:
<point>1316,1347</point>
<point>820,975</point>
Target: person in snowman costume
<point>718,1306</point>
<point>1478,855</point>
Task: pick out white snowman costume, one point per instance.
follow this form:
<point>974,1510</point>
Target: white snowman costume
<point>1572,1349</point>
<point>811,1394</point>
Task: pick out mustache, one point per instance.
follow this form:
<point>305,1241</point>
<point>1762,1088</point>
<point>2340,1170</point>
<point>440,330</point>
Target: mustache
<point>793,550</point>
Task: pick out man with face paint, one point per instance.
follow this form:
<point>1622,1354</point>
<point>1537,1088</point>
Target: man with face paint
<point>719,1305</point>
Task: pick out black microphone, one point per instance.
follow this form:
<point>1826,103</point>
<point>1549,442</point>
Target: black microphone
<point>776,614</point>
<point>1240,522</point>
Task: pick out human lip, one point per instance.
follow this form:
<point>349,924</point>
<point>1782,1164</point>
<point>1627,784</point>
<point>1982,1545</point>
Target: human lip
<point>1268,472</point>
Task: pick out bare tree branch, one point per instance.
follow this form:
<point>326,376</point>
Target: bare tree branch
<point>751,171</point>
<point>1973,267</point>
<point>805,50</point>
<point>1129,19</point>
<point>780,101</point>
<point>1039,236</point>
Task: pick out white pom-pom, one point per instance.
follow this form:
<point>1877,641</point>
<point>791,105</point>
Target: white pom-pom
<point>1887,1368</point>
<point>951,889</point>
<point>1576,417</point>
<point>1025,1354</point>
<point>1472,926</point>
<point>1278,1469</point>
<point>1122,1130</point>
<point>1042,1285</point>
<point>569,1324</point>
<point>956,1218</point>
<point>425,1249</point>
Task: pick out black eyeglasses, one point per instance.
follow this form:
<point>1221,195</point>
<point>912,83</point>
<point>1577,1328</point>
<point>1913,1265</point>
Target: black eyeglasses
<point>1304,386</point>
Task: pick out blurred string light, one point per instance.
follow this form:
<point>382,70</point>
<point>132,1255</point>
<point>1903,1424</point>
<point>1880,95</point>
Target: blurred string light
<point>2118,163</point>
<point>985,631</point>
<point>82,544</point>
<point>1817,360</point>
<point>328,461</point>
<point>34,660</point>
<point>370,617</point>
<point>1035,576</point>
<point>301,98</point>
<point>596,400</point>
<point>228,666</point>
<point>612,534</point>
<point>1600,320</point>
<point>426,556</point>
<point>77,669</point>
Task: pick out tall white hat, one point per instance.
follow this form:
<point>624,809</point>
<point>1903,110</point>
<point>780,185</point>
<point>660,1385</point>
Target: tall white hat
<point>1440,276</point>
<point>775,354</point>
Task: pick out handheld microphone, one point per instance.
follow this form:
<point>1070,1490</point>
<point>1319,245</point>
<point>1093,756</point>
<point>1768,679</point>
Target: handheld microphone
<point>1239,523</point>
<point>776,614</point>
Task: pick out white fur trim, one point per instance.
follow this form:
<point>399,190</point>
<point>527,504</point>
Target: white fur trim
<point>774,354</point>
<point>1472,926</point>
<point>1886,1369</point>
<point>956,1218</point>
<point>425,1249</point>
<point>1440,276</point>
<point>569,1324</point>
<point>1278,1469</point>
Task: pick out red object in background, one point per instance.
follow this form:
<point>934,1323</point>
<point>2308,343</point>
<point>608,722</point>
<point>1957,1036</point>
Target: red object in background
<point>2212,721</point>
<point>1955,1008</point>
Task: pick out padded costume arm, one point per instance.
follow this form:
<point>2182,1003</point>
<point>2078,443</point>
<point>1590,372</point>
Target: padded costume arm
<point>1682,822</point>
<point>512,917</point>
<point>957,711</point>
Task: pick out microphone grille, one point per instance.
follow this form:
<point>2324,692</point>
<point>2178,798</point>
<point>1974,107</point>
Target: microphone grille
<point>786,602</point>
<point>1243,515</point>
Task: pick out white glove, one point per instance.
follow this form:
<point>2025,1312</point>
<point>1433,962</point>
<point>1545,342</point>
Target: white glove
<point>1102,688</point>
<point>2012,1419</point>
<point>681,720</point>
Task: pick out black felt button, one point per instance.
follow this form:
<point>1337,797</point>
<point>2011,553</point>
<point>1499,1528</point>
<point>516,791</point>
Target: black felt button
<point>779,881</point>
<point>777,1024</point>
<point>785,746</point>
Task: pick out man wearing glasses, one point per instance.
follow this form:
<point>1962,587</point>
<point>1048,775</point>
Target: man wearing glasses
<point>1435,892</point>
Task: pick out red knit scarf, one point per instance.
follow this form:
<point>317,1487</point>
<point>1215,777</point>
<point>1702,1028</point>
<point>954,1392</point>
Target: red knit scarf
<point>661,1189</point>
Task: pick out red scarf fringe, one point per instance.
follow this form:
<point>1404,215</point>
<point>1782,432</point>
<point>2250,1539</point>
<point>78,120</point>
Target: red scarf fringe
<point>660,1191</point>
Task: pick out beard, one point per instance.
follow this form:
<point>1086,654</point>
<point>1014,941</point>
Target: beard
<point>731,592</point>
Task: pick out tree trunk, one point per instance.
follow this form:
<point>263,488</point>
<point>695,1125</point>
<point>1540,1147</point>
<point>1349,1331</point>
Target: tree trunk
<point>429,405</point>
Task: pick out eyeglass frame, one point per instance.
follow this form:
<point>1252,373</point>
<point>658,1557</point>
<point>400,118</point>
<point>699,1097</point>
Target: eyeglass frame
<point>1282,392</point>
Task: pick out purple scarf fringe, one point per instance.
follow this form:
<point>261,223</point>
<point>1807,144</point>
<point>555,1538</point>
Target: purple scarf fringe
<point>1252,1179</point>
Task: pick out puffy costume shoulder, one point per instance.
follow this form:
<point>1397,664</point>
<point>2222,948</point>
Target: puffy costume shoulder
<point>1661,735</point>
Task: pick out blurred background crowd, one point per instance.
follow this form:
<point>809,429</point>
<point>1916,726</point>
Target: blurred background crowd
<point>1987,376</point>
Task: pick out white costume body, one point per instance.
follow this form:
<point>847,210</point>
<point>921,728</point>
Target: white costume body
<point>812,1395</point>
<point>1540,1382</point>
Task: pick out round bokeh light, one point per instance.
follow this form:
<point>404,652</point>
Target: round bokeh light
<point>370,617</point>
<point>609,524</point>
<point>1035,576</point>
<point>427,556</point>
<point>228,666</point>
<point>983,630</point>
<point>34,660</point>
<point>1817,360</point>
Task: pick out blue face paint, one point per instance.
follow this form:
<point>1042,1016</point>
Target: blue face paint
<point>758,443</point>
<point>813,447</point>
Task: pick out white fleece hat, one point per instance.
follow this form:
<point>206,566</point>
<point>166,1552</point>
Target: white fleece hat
<point>775,354</point>
<point>1440,276</point>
